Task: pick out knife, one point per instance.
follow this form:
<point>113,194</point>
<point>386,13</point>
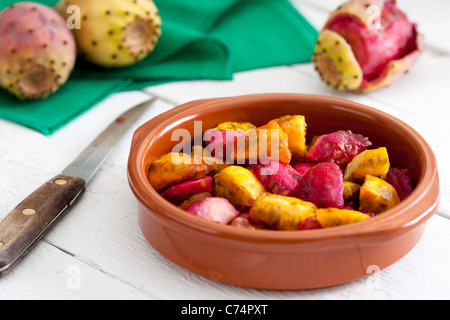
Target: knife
<point>21,229</point>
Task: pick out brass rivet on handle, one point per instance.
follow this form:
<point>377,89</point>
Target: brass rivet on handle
<point>60,182</point>
<point>28,212</point>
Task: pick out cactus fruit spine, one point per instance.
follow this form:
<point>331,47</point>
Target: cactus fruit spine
<point>37,50</point>
<point>115,33</point>
<point>354,53</point>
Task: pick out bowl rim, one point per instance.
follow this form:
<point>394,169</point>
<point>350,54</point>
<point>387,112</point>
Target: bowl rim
<point>410,213</point>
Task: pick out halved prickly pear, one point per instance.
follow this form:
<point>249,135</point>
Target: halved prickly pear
<point>239,185</point>
<point>221,144</point>
<point>323,186</point>
<point>333,217</point>
<point>277,177</point>
<point>401,181</point>
<point>366,45</point>
<point>377,195</point>
<point>214,209</point>
<point>374,162</point>
<point>295,129</point>
<point>339,147</point>
<point>179,193</point>
<point>280,212</point>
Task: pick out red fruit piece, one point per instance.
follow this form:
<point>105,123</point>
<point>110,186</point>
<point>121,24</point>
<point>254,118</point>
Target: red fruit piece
<point>277,177</point>
<point>303,168</point>
<point>401,181</point>
<point>339,147</point>
<point>310,224</point>
<point>213,209</point>
<point>323,185</point>
<point>177,194</point>
<point>222,143</point>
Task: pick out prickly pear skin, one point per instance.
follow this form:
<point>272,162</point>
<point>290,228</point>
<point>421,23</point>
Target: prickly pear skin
<point>214,209</point>
<point>354,54</point>
<point>115,33</point>
<point>323,185</point>
<point>37,50</point>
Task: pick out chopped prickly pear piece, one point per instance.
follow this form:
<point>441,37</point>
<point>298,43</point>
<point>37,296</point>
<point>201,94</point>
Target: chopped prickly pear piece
<point>236,126</point>
<point>239,185</point>
<point>277,177</point>
<point>194,198</point>
<point>178,193</point>
<point>303,168</point>
<point>173,168</point>
<point>351,190</point>
<point>373,162</point>
<point>377,195</point>
<point>339,147</point>
<point>401,181</point>
<point>243,221</point>
<point>365,45</point>
<point>295,128</point>
<point>323,185</point>
<point>221,144</point>
<point>280,212</point>
<point>266,143</point>
<point>214,209</point>
<point>333,217</point>
<point>310,224</point>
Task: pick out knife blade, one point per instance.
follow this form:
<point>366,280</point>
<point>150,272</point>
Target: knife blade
<point>25,225</point>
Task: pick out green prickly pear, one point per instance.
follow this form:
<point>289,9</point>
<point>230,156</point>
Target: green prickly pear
<point>37,50</point>
<point>114,33</point>
<point>366,45</point>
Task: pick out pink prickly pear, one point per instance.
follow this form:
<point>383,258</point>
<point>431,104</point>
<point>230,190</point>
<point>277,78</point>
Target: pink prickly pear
<point>37,50</point>
<point>361,50</point>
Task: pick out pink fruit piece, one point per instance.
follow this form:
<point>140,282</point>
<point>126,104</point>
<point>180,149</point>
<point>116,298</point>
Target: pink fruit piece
<point>401,181</point>
<point>222,143</point>
<point>214,209</point>
<point>339,147</point>
<point>177,194</point>
<point>303,168</point>
<point>310,224</point>
<point>277,177</point>
<point>37,50</point>
<point>323,185</point>
<point>243,221</point>
<point>366,45</point>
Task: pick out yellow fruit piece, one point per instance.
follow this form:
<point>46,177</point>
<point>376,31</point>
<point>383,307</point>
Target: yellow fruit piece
<point>370,162</point>
<point>295,128</point>
<point>333,217</point>
<point>236,126</point>
<point>239,185</point>
<point>172,168</point>
<point>268,142</point>
<point>377,195</point>
<point>280,212</point>
<point>351,190</point>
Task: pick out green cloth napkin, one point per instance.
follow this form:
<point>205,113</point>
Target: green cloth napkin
<point>201,39</point>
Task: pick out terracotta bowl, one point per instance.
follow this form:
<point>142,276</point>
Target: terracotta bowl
<point>285,260</point>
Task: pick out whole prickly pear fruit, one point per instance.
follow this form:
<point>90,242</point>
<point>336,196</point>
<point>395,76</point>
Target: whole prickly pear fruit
<point>366,45</point>
<point>37,50</point>
<point>114,33</point>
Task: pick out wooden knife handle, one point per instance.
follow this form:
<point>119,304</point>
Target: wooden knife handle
<point>33,217</point>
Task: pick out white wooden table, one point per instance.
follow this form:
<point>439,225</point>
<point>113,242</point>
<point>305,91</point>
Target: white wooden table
<point>98,252</point>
